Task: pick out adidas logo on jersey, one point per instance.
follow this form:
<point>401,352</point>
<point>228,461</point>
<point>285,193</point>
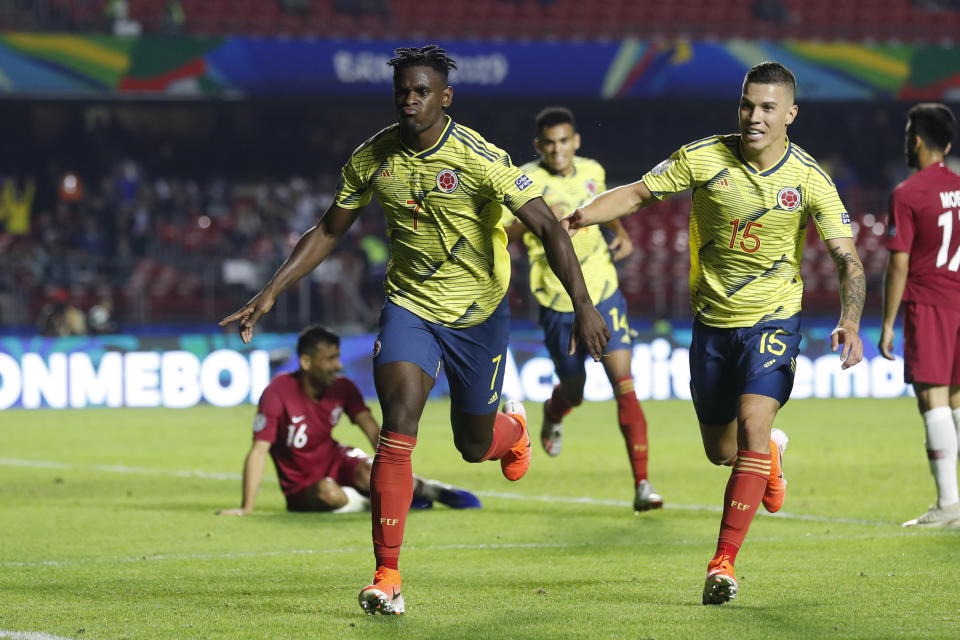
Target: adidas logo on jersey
<point>493,398</point>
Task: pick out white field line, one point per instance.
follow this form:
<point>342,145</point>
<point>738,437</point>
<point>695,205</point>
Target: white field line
<point>365,549</point>
<point>46,464</point>
<point>28,635</point>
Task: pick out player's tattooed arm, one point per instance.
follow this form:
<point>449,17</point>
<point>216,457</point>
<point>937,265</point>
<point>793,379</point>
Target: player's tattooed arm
<point>853,293</point>
<point>853,282</point>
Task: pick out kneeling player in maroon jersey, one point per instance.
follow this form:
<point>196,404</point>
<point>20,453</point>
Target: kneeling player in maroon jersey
<point>294,421</point>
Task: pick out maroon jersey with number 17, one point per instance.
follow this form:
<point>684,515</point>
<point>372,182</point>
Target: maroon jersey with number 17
<point>299,427</point>
<point>924,221</point>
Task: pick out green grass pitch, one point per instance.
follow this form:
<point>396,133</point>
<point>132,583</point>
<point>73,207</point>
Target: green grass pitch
<point>108,531</point>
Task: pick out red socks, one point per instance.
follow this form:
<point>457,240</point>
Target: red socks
<point>745,488</point>
<point>557,406</point>
<point>633,426</point>
<point>506,431</point>
<point>391,490</point>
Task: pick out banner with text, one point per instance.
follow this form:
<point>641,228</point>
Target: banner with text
<point>60,64</point>
<point>218,369</point>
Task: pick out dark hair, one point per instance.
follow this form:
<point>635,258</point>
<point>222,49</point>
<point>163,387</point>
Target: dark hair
<point>314,335</point>
<point>771,73</point>
<point>429,56</point>
<point>933,123</point>
<point>552,116</point>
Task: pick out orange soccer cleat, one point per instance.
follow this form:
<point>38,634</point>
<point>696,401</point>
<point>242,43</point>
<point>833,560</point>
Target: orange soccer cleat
<point>383,596</point>
<point>776,489</point>
<point>721,585</point>
<point>516,461</point>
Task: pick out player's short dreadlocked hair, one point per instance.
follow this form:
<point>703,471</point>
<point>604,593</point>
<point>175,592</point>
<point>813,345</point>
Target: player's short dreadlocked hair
<point>772,73</point>
<point>429,56</point>
<point>313,336</point>
<point>934,123</point>
<point>552,116</point>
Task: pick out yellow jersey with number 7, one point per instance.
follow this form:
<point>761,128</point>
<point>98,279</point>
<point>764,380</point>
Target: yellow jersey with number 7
<point>448,257</point>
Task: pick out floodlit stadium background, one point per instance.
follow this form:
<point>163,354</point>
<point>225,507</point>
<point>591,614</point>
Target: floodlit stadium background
<point>162,157</point>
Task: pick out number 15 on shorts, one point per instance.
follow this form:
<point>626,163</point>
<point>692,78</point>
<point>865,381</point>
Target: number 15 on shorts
<point>769,343</point>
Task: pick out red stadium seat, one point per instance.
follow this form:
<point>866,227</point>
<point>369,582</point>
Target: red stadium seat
<point>824,19</point>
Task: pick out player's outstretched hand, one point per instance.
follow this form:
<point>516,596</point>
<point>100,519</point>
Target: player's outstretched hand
<point>249,314</point>
<point>886,343</point>
<point>846,334</point>
<point>591,330</point>
<point>573,222</point>
<point>232,512</point>
<point>621,246</point>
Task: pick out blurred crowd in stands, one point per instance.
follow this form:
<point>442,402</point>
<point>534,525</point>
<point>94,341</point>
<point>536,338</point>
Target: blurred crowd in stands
<point>192,249</point>
<point>145,214</point>
<point>128,235</point>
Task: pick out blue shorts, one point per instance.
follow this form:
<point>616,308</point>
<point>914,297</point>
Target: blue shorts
<point>557,326</point>
<point>473,358</point>
<point>727,363</point>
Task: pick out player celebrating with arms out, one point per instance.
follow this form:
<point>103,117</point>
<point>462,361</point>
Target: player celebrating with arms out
<point>753,193</point>
<point>568,181</point>
<point>922,271</point>
<point>296,414</point>
<point>442,187</point>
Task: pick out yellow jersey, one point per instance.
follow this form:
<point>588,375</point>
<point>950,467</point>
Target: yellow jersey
<point>748,227</point>
<point>569,192</point>
<point>448,257</point>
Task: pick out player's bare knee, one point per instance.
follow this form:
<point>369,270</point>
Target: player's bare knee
<point>331,493</point>
<point>471,450</point>
<point>721,459</point>
<point>572,390</point>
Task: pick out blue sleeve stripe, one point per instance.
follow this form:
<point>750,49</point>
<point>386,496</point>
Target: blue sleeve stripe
<point>476,141</point>
<point>701,141</point>
<point>703,144</point>
<point>814,167</point>
<point>470,145</point>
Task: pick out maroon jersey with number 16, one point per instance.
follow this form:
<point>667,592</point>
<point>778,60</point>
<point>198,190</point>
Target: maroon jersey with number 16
<point>299,427</point>
<point>924,221</point>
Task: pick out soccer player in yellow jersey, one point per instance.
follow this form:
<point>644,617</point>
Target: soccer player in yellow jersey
<point>442,187</point>
<point>569,180</point>
<point>753,195</point>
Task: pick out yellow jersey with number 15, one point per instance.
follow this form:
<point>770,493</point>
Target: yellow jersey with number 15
<point>567,193</point>
<point>748,227</point>
<point>448,257</point>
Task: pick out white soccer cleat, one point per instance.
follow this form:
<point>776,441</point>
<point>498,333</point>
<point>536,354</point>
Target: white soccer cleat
<point>937,517</point>
<point>551,435</point>
<point>515,408</point>
<point>646,497</point>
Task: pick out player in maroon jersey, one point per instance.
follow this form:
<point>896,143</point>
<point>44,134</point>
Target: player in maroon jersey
<point>924,272</point>
<point>293,423</point>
